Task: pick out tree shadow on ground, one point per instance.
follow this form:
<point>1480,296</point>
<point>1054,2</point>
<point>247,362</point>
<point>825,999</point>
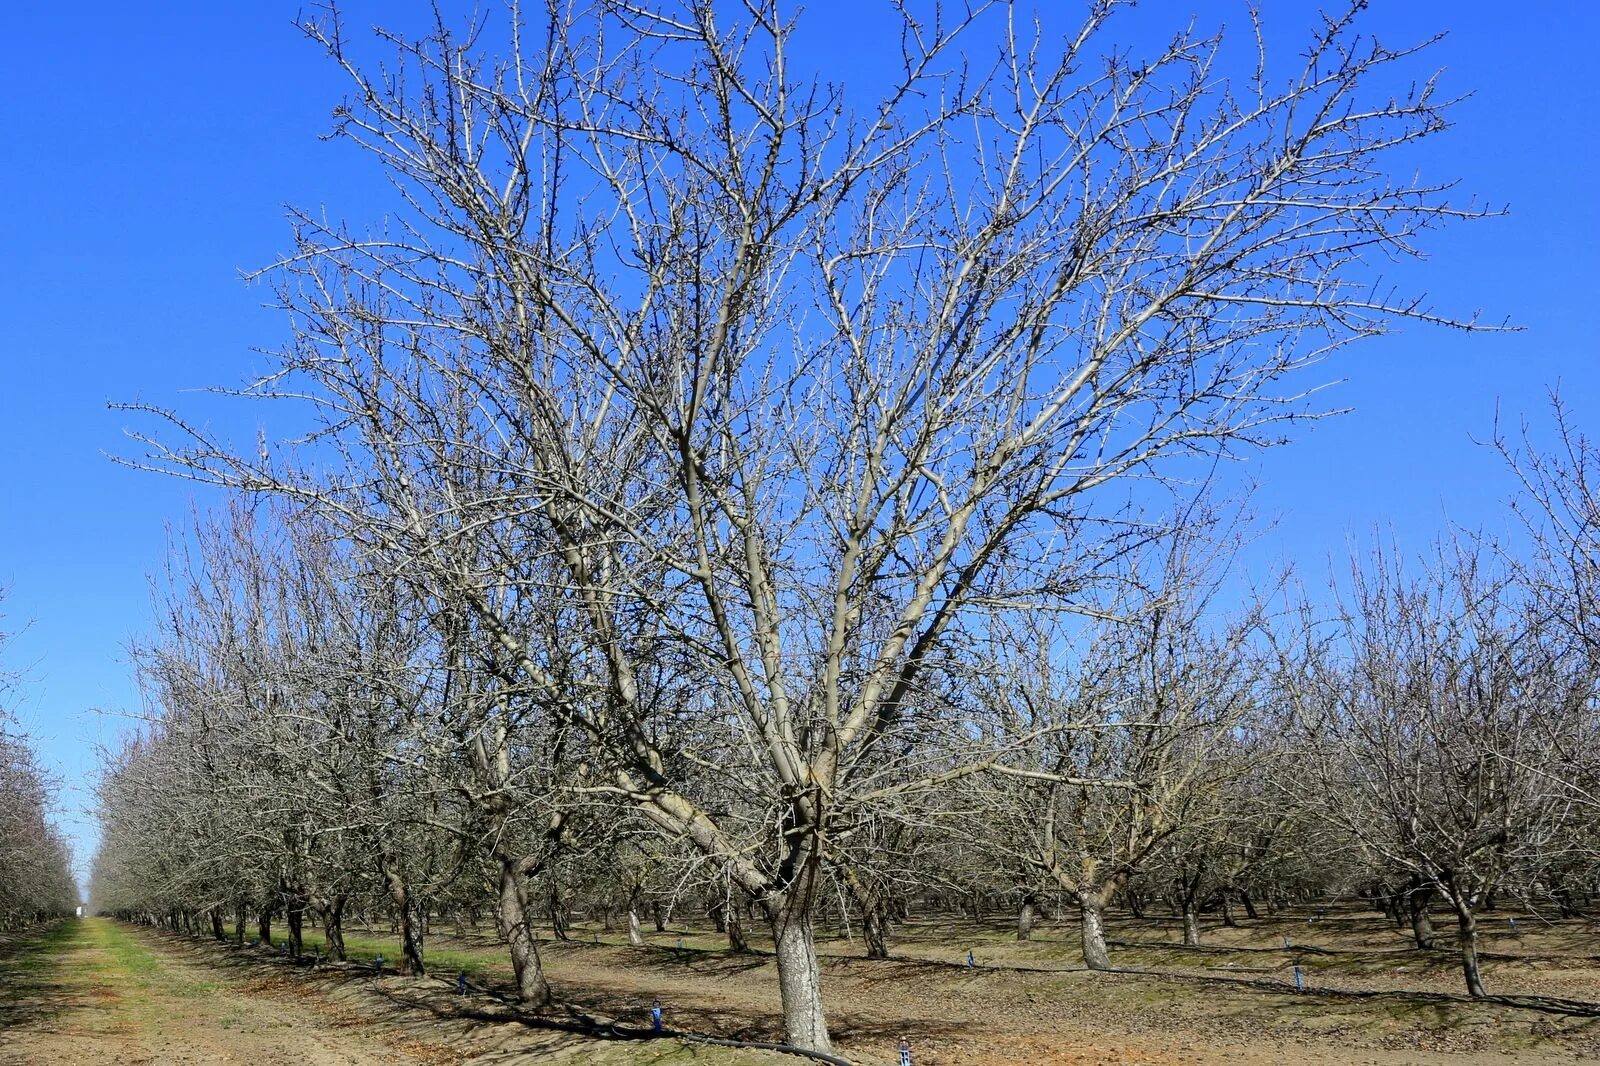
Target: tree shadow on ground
<point>30,990</point>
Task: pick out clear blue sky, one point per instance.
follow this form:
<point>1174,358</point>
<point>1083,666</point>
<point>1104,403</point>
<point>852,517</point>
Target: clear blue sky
<point>147,150</point>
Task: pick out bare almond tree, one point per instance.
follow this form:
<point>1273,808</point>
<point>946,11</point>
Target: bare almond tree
<point>1119,738</point>
<point>1431,699</point>
<point>740,375</point>
<point>1559,507</point>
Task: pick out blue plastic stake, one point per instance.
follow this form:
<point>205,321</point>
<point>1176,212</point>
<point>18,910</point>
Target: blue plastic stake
<point>1513,922</point>
<point>1288,941</point>
<point>905,1052</point>
<point>461,984</point>
<point>655,1016</point>
<point>1299,980</point>
<point>680,943</point>
<point>377,964</point>
<point>971,962</point>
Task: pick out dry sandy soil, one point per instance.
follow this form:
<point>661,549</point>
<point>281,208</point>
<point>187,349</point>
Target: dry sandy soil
<point>116,994</point>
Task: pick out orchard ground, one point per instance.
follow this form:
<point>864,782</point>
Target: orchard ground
<point>95,992</point>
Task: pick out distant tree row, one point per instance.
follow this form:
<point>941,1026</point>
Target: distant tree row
<point>711,485</point>
<point>36,882</point>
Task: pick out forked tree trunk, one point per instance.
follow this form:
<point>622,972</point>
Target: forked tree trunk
<point>1093,932</point>
<point>411,963</point>
<point>1467,936</point>
<point>512,919</point>
<point>1025,919</point>
<point>333,928</point>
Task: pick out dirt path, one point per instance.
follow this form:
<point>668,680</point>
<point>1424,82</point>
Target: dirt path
<point>91,992</point>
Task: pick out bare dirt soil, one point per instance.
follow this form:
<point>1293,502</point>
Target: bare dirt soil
<point>1370,998</point>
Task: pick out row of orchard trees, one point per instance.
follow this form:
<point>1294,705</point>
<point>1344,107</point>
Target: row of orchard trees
<point>690,477</point>
<point>317,749</point>
<point>36,881</point>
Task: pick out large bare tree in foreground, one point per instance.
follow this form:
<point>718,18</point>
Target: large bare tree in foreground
<point>680,352</point>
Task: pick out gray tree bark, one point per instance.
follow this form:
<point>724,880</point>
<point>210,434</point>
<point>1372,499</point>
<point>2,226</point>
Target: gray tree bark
<point>512,919</point>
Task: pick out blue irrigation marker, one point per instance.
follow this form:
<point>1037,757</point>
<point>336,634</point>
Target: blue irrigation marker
<point>1513,922</point>
<point>655,1016</point>
<point>377,964</point>
<point>971,962</point>
<point>905,1052</point>
<point>680,943</point>
<point>461,984</point>
<point>1299,980</point>
<point>1288,941</point>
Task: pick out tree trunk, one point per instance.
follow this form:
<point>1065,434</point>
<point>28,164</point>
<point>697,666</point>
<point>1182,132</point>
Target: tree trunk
<point>1227,909</point>
<point>1392,905</point>
<point>799,975</point>
<point>635,935</point>
<point>658,916</point>
<point>1468,939</point>
<point>239,917</point>
<point>1092,930</point>
<point>718,913</point>
<point>875,929</point>
<point>333,928</point>
<point>1191,925</point>
<point>264,926</point>
<point>411,963</point>
<point>1025,919</point>
<point>217,931</point>
<point>733,925</point>
<point>558,920</point>
<point>296,918</point>
<point>1421,924</point>
<point>1249,904</point>
<point>512,918</point>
